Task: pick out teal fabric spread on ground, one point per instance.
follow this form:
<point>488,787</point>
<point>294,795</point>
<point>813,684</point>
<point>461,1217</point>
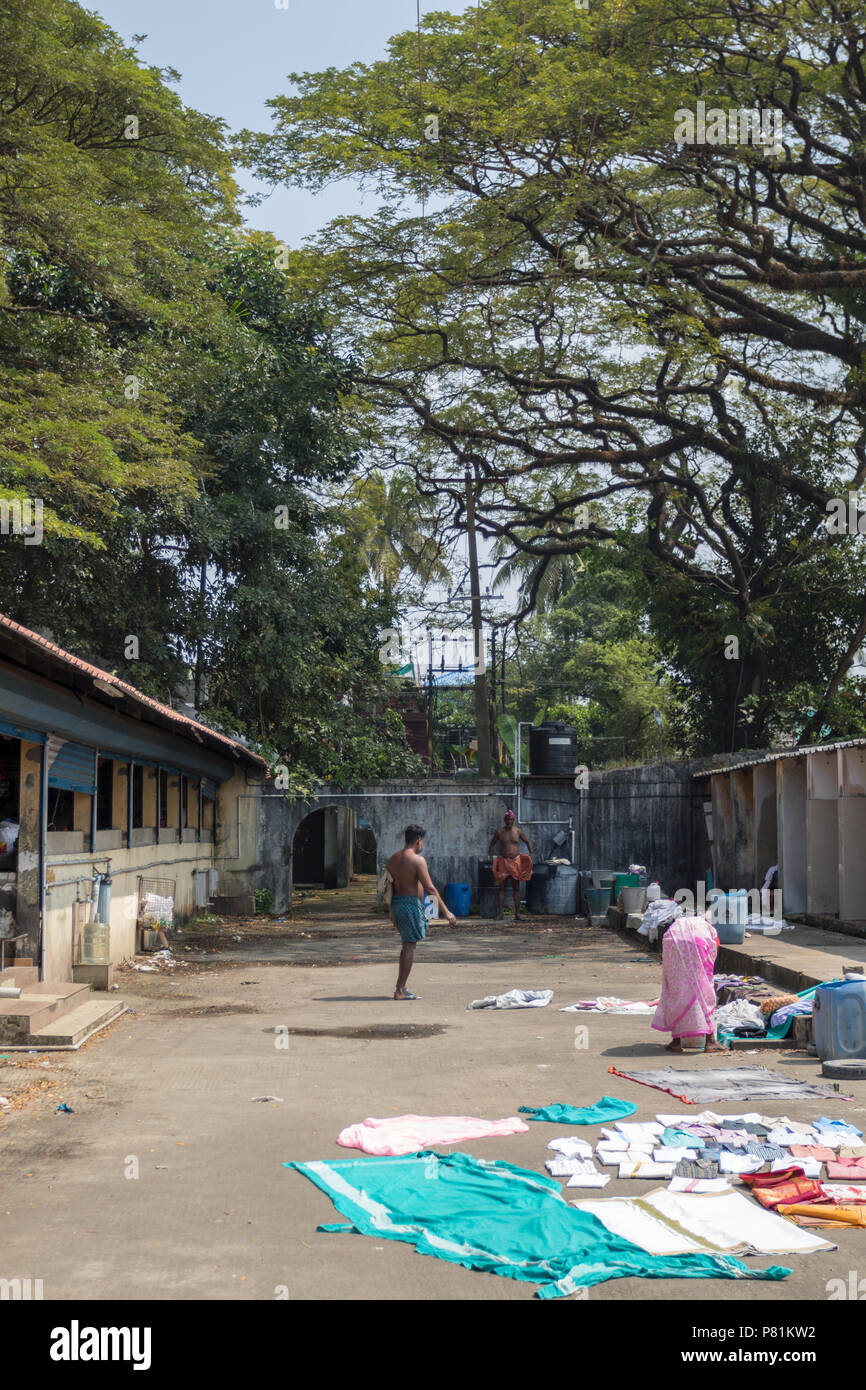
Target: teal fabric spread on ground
<point>493,1216</point>
<point>608,1108</point>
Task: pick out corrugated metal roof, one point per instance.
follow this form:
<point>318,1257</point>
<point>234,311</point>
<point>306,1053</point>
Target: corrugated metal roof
<point>783,753</point>
<point>185,726</point>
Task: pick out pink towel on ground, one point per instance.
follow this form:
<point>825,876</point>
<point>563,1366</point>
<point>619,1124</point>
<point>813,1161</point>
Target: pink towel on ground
<point>819,1151</point>
<point>406,1134</point>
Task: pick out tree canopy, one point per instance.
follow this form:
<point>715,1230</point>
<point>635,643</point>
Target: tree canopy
<point>595,305</point>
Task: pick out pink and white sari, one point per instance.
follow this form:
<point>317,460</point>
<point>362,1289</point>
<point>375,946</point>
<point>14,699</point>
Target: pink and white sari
<point>687,1004</point>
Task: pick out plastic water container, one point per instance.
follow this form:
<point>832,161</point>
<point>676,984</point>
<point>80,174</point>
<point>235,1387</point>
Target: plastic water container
<point>839,1019</point>
<point>562,890</point>
<point>623,881</point>
<point>729,914</point>
<point>597,900</point>
<point>458,898</point>
<point>95,944</point>
<point>633,899</point>
<point>653,893</point>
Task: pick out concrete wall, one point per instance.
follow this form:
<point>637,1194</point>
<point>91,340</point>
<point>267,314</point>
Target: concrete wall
<point>648,815</point>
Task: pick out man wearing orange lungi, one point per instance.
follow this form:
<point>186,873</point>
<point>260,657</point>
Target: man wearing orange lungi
<point>510,863</point>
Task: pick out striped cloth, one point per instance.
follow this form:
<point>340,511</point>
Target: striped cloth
<point>767,1152</point>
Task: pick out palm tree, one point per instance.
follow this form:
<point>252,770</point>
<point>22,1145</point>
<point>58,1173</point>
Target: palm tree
<point>395,529</point>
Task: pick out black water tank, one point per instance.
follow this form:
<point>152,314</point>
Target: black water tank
<point>552,750</point>
<point>485,874</point>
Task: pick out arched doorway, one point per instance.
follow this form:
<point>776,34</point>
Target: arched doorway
<point>334,853</point>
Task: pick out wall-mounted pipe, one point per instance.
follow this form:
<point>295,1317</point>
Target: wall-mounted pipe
<point>10,992</point>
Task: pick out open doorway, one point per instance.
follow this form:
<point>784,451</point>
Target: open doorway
<point>334,855</point>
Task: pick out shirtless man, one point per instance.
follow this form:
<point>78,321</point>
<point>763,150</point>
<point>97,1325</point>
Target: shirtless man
<point>510,864</point>
<point>408,869</point>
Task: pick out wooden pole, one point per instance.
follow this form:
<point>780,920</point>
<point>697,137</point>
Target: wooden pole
<point>482,703</point>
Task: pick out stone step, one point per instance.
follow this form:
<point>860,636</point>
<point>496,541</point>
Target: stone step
<point>38,1005</point>
<point>73,1028</point>
<point>20,975</point>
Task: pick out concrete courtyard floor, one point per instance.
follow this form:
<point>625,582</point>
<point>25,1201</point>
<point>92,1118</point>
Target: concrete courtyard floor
<point>166,1093</point>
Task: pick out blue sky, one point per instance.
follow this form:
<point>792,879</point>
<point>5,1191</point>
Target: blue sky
<point>234,54</point>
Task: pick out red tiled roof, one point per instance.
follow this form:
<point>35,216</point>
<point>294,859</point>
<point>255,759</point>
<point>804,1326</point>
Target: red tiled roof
<point>183,722</point>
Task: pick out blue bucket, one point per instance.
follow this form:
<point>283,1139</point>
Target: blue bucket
<point>458,898</point>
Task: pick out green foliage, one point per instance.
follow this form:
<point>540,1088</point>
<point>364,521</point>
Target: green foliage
<point>173,398</point>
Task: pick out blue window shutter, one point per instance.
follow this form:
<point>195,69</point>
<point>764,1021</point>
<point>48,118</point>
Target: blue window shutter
<point>208,788</point>
<point>71,766</point>
<point>15,731</point>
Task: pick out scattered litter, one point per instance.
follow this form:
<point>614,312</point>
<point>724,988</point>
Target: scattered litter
<point>65,1109</point>
<point>146,969</point>
<point>5,1103</point>
<point>160,1165</point>
<point>279,1099</point>
<point>514,999</point>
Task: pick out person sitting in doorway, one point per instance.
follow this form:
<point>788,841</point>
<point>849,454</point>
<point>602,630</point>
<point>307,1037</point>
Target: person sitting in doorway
<point>510,865</point>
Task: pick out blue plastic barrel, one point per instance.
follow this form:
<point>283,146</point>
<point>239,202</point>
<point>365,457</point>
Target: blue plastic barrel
<point>839,1019</point>
<point>597,900</point>
<point>458,898</point>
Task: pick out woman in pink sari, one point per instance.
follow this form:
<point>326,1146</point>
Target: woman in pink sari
<point>687,1004</point>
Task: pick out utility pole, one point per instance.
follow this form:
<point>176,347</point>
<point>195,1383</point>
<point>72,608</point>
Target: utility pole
<point>482,701</point>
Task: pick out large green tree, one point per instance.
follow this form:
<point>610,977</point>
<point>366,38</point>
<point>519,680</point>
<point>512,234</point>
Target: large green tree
<point>172,401</point>
<point>563,293</point>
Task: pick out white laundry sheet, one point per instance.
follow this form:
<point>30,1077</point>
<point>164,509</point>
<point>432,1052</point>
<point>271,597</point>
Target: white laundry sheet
<point>667,1222</point>
<point>514,999</point>
<point>623,1217</point>
<point>612,1140</point>
<point>611,1157</point>
<point>570,1147</point>
<point>609,1004</point>
<point>699,1185</point>
<point>639,1133</point>
<point>645,1168</point>
<point>674,1155</point>
<point>727,1222</point>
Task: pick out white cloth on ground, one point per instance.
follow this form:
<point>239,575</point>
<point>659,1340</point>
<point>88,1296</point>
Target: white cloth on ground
<point>642,1228</point>
<point>610,1004</point>
<point>645,1168</point>
<point>567,1167</point>
<point>739,1163</point>
<point>611,1157</point>
<point>636,1133</point>
<point>674,1155</point>
<point>729,1221</point>
<point>514,999</point>
<point>589,1180</point>
<point>738,1013</point>
<point>571,1148</point>
<point>811,1166</point>
<point>698,1184</point>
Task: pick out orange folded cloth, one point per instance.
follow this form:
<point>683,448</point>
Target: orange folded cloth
<point>520,867</point>
<point>852,1216</point>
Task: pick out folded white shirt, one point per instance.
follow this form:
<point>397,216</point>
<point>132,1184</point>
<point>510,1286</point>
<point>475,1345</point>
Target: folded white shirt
<point>674,1155</point>
<point>607,1155</point>
<point>638,1132</point>
<point>709,1117</point>
<point>570,1147</point>
<point>612,1139</point>
<point>811,1166</point>
<point>740,1163</point>
<point>589,1180</point>
<point>567,1167</point>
